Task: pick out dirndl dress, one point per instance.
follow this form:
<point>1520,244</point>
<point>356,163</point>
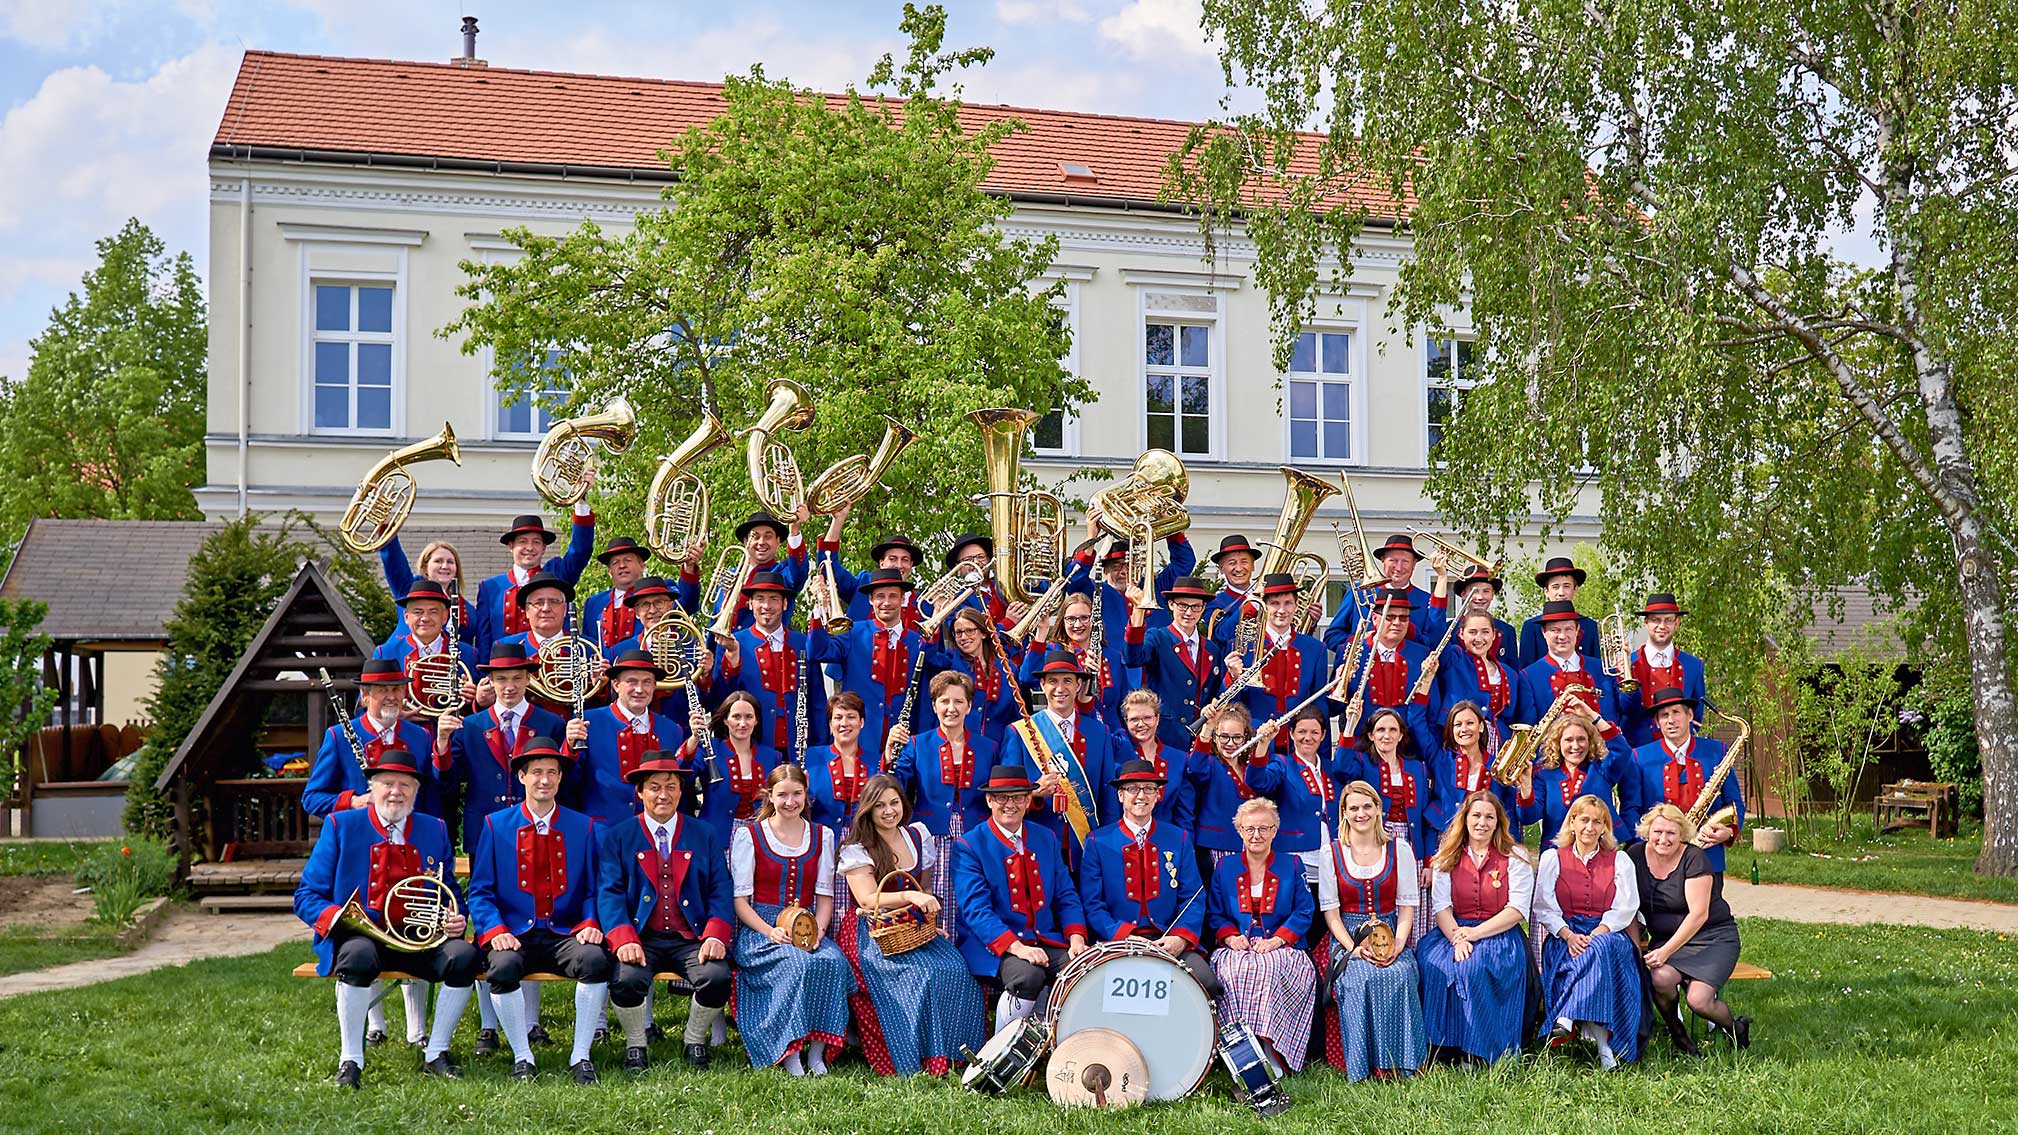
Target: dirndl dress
<point>786,997</point>
<point>1403,831</point>
<point>1601,986</point>
<point>1273,993</point>
<point>1378,1013</point>
<point>1476,1006</point>
<point>913,1012</point>
<point>942,852</point>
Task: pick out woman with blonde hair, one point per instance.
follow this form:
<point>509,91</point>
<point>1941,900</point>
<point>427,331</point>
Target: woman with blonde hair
<point>1691,937</point>
<point>1586,893</point>
<point>1375,1024</point>
<point>439,561</point>
<point>1259,914</point>
<point>1476,975</point>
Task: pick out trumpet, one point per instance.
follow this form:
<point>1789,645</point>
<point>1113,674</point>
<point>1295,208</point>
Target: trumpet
<point>827,598</point>
<point>723,594</point>
<point>1452,551</point>
<point>774,472</point>
<point>562,462</point>
<point>676,647</point>
<point>850,479</point>
<point>1028,528</point>
<point>1370,573</point>
<point>386,494</point>
<point>676,507</point>
<point>1614,654</point>
<point>1045,606</point>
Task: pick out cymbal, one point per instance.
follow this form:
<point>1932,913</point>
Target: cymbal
<point>1097,1068</point>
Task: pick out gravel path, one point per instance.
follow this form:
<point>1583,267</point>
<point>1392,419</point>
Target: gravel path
<point>1821,904</point>
<point>185,936</point>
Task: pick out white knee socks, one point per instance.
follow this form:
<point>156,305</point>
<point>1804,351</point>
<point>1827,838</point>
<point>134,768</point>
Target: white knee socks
<point>486,1006</point>
<point>588,1014</point>
<point>1602,1036</point>
<point>634,1019</point>
<point>351,1002</point>
<point>414,993</point>
<point>448,1007</point>
<point>531,989</point>
<point>511,1019</point>
<point>375,1012</point>
<point>702,1023</point>
<point>1009,1008</point>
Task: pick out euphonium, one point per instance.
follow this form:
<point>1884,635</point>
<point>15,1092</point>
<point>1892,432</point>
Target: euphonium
<point>1028,528</point>
<point>1714,783</point>
<point>1452,551</point>
<point>1311,575</point>
<point>1370,573</point>
<point>724,591</point>
<point>676,645</point>
<point>850,479</point>
<point>417,909</point>
<point>1614,653</point>
<point>1145,506</point>
<point>1527,742</point>
<point>774,472</point>
<point>385,496</point>
<point>563,460</point>
<point>676,506</point>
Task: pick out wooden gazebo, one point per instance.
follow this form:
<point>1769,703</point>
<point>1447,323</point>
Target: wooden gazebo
<point>240,825</point>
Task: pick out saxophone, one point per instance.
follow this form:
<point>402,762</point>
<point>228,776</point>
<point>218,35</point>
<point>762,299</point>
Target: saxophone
<point>1530,741</point>
<point>1728,814</point>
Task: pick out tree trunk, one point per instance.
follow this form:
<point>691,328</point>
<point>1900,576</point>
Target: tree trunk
<point>1996,711</point>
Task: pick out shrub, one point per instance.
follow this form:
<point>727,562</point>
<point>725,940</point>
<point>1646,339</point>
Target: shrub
<point>122,874</point>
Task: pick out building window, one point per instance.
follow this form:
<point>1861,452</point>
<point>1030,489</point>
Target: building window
<point>1053,432</point>
<point>352,356</point>
<point>1320,397</point>
<point>1177,396</point>
<point>1447,374</point>
<point>529,412</point>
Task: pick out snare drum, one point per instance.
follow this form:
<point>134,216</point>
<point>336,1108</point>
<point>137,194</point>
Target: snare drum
<point>1010,1057</point>
<point>1137,990</point>
<point>1257,1078</point>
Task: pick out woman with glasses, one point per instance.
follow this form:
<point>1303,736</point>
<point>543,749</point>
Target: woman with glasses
<point>1475,969</point>
<point>1259,916</point>
<point>976,652</point>
<point>1100,697</point>
<point>1219,783</point>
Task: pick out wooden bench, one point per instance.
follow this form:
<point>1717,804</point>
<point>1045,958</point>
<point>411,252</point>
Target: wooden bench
<point>1746,971</point>
<point>1914,803</point>
<point>307,969</point>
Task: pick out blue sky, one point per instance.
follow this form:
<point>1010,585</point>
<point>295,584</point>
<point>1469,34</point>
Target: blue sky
<point>110,105</point>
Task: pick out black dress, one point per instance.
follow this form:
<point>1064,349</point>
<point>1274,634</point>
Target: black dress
<point>1712,953</point>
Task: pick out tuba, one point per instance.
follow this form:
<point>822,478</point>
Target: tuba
<point>563,460</point>
<point>1146,506</point>
<point>774,472</point>
<point>1302,494</point>
<point>1614,653</point>
<point>417,910</point>
<point>676,506</point>
<point>676,646</point>
<point>385,496</point>
<point>1028,528</point>
<point>850,479</point>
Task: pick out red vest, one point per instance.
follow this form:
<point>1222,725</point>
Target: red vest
<point>543,866</point>
<point>786,880</point>
<point>1477,892</point>
<point>631,744</point>
<point>390,862</point>
<point>1365,896</point>
<point>1586,889</point>
<point>1397,787</point>
<point>669,873</point>
<point>1653,680</point>
<point>1681,777</point>
<point>619,622</point>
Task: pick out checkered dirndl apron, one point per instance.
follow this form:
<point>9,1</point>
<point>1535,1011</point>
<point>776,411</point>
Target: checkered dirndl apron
<point>942,874</point>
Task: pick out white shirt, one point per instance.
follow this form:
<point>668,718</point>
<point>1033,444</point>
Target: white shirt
<point>895,634</point>
<point>666,834</point>
<point>743,856</point>
<point>1625,891</point>
<point>518,575</point>
<point>1574,664</point>
<point>510,717</point>
<point>394,832</point>
<point>1662,659</point>
<point>542,822</point>
<point>1407,876</point>
<point>642,723</point>
<point>1520,886</point>
<point>1135,833</point>
<point>1064,723</point>
<point>386,731</point>
<point>1015,837</point>
<point>775,639</point>
<point>1281,638</point>
<point>428,649</point>
<point>1384,653</point>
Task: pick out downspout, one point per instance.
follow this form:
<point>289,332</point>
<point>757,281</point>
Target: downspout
<point>244,329</point>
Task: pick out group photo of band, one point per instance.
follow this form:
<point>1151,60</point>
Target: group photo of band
<point>1074,802</point>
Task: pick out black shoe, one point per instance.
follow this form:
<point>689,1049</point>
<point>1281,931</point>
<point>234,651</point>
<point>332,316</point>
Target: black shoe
<point>602,1034</point>
<point>585,1071</point>
<point>1741,1031</point>
<point>635,1060</point>
<point>486,1042</point>
<point>374,1037</point>
<point>697,1055</point>
<point>523,1070</point>
<point>538,1035</point>
<point>440,1066</point>
<point>654,1032</point>
<point>349,1075</point>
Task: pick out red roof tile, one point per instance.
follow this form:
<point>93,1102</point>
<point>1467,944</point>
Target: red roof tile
<point>355,107</point>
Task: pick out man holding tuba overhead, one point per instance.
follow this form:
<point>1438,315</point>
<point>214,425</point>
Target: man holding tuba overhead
<point>379,892</point>
<point>500,610</point>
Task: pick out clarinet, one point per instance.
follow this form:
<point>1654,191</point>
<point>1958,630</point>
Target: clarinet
<point>579,665</point>
<point>910,689</point>
<point>704,735</point>
<point>455,640</point>
<point>800,713</point>
<point>343,719</point>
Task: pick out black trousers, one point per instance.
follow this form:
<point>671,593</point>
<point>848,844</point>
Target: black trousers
<point>1028,981</point>
<point>359,961</point>
<point>711,980</point>
<point>544,951</point>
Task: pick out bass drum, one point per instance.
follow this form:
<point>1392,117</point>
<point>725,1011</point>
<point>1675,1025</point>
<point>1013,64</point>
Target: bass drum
<point>1142,993</point>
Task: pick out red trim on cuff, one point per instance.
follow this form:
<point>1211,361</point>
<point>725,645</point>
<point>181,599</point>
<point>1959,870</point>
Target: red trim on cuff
<point>1439,602</point>
<point>1289,937</point>
<point>1084,558</point>
<point>1419,699</point>
<point>1525,796</point>
<point>585,519</point>
<point>625,935</point>
<point>1076,928</point>
<point>718,929</point>
<point>1609,731</point>
<point>1002,942</point>
<point>1123,930</point>
<point>689,574</point>
<point>587,924</point>
<point>1136,633</point>
<point>327,919</point>
<point>825,545</point>
<point>1178,538</point>
<point>1226,932</point>
<point>344,798</point>
<point>1187,935</point>
<point>1260,755</point>
<point>484,938</point>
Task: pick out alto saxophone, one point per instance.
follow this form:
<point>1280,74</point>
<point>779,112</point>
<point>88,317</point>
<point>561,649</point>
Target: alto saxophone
<point>1531,741</point>
<point>1728,814</point>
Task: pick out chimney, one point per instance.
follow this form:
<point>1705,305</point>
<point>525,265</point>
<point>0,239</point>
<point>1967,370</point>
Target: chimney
<point>468,57</point>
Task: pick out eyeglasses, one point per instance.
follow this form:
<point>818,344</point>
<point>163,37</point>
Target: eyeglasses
<point>1253,830</point>
<point>545,602</point>
<point>1141,789</point>
<point>1230,738</point>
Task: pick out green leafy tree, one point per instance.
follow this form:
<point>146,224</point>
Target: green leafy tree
<point>108,421</point>
<point>24,701</point>
<point>842,242</point>
<point>1633,205</point>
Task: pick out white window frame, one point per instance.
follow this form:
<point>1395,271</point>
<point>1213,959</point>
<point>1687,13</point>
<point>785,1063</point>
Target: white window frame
<point>494,406</point>
<point>1357,432</point>
<point>1068,304</point>
<point>1461,384</point>
<point>1147,284</point>
<point>310,241</point>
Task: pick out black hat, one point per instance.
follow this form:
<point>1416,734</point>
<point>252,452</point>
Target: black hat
<point>540,581</point>
<point>965,538</point>
<point>1061,661</point>
<point>633,660</point>
<point>1117,551</point>
<point>1394,600</point>
<point>884,577</point>
<point>508,656</point>
<point>391,759</point>
<point>1187,587</point>
<point>1232,544</point>
<point>762,519</point>
<point>1137,771</point>
<point>1668,697</point>
<point>1399,542</point>
<point>647,586</point>
<point>1008,779</point>
<point>543,747</point>
<point>1279,583</point>
<point>1479,573</point>
<point>1560,565</point>
<point>893,543</point>
<point>620,546</point>
<point>767,581</point>
<point>524,524</point>
<point>1662,603</point>
<point>1559,610</point>
<point>382,672</point>
<point>425,589</point>
<point>658,761</point>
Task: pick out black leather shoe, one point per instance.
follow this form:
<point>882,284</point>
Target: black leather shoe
<point>697,1055</point>
<point>523,1070</point>
<point>635,1060</point>
<point>585,1071</point>
<point>440,1066</point>
<point>374,1037</point>
<point>654,1032</point>
<point>538,1035</point>
<point>486,1042</point>
<point>349,1075</point>
<point>1741,1031</point>
<point>602,1034</point>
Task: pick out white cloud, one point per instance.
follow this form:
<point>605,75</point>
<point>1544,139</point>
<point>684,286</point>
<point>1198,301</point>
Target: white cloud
<point>1040,11</point>
<point>822,61</point>
<point>1153,29</point>
<point>50,25</point>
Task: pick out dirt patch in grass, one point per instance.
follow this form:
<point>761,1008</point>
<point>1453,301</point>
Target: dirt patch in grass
<point>41,902</point>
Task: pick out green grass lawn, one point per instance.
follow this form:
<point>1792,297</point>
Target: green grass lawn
<point>1860,1031</point>
<point>1907,861</point>
<point>24,948</point>
<point>44,857</point>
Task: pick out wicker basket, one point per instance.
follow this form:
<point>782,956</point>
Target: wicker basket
<point>899,930</point>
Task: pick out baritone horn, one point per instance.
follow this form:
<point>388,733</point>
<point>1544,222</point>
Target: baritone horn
<point>1028,528</point>
<point>385,495</point>
<point>676,507</point>
<point>774,472</point>
<point>1145,506</point>
<point>562,462</point>
<point>850,479</point>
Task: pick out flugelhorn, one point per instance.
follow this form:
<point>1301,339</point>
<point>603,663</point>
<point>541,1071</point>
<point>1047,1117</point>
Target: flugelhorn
<point>1370,571</point>
<point>385,495</point>
<point>850,479</point>
<point>562,462</point>
<point>1028,528</point>
<point>1615,652</point>
<point>774,472</point>
<point>676,507</point>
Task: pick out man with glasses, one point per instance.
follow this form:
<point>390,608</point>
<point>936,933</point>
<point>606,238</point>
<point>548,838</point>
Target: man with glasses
<point>546,600</point>
<point>1180,664</point>
<point>1020,915</point>
<point>1139,878</point>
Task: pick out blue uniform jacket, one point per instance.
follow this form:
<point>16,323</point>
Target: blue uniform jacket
<point>1215,795</point>
<point>1079,578</point>
<point>1550,805</point>
<point>1177,806</point>
<point>1091,744</point>
<point>1126,891</point>
<point>1285,909</point>
<point>1313,666</point>
<point>996,911</point>
<point>1181,690</point>
<point>1533,648</point>
<point>763,673</point>
<point>627,881</point>
<point>1450,793</point>
<point>492,592</point>
<point>1457,680</point>
<point>1637,723</point>
<point>1358,609</point>
<point>880,694</point>
<point>334,778</point>
<point>824,805</point>
<point>991,716</point>
<point>687,589</point>
<point>1303,811</point>
<point>920,769</point>
<point>1414,795</point>
<point>1117,682</point>
<point>1506,648</point>
<point>1651,762</point>
<point>342,864</point>
<point>479,764</point>
<point>606,795</point>
<point>504,875</point>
